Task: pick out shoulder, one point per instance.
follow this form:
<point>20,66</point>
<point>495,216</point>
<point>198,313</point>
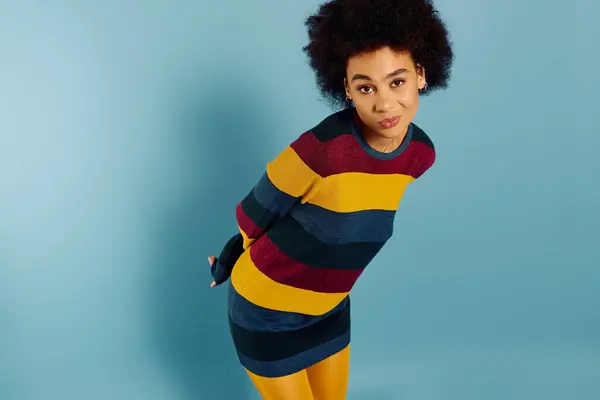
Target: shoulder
<point>424,151</point>
<point>420,136</point>
<point>311,146</point>
<point>334,125</point>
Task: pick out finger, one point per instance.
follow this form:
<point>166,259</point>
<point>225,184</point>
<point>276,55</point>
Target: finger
<point>211,260</point>
<point>213,284</point>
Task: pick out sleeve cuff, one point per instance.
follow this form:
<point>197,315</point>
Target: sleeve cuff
<point>223,265</point>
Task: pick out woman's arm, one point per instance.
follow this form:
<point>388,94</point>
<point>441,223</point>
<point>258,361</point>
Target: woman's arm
<point>290,178</point>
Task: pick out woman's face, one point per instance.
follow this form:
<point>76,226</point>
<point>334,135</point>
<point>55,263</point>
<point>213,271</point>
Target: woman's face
<point>384,86</point>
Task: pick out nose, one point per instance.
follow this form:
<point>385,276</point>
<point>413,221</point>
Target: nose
<point>383,103</point>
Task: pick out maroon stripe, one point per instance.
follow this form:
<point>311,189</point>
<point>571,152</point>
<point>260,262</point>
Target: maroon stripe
<point>311,151</point>
<point>274,263</point>
<point>246,224</point>
<point>344,154</point>
<point>426,158</point>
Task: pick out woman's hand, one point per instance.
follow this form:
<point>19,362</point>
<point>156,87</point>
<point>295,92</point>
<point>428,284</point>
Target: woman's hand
<point>211,261</point>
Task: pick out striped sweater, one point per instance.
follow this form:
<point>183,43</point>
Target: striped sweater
<point>320,213</point>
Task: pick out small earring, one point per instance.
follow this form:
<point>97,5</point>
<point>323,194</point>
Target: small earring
<point>424,87</point>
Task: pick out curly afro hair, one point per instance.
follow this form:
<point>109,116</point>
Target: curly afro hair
<point>343,28</point>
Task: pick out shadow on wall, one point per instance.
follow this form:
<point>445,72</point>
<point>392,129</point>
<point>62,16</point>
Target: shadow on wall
<point>222,138</point>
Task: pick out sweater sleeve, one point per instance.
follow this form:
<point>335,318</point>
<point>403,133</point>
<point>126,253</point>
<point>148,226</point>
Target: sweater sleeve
<point>291,177</point>
<point>425,162</point>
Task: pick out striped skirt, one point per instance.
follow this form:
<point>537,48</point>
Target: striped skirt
<point>273,343</point>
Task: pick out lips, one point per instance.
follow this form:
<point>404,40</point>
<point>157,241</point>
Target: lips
<point>389,123</point>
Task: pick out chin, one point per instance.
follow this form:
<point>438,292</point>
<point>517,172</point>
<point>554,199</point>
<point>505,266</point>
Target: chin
<point>392,133</point>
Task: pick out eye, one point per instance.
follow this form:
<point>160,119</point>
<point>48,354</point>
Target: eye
<point>365,89</point>
<point>398,82</point>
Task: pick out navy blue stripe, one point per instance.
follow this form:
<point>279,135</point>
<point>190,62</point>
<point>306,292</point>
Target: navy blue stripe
<point>272,346</point>
<point>341,228</point>
<point>271,198</point>
<point>334,125</point>
<point>259,319</point>
<point>298,362</point>
<point>289,236</point>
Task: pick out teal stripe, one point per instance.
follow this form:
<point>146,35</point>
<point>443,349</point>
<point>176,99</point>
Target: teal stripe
<point>271,198</point>
<point>332,227</point>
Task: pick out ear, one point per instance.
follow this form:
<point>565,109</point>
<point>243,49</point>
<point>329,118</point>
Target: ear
<point>421,77</point>
<point>346,87</point>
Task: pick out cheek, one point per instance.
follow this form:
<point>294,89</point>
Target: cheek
<point>363,106</point>
<point>410,99</point>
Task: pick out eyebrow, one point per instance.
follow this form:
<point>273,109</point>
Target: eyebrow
<point>390,75</point>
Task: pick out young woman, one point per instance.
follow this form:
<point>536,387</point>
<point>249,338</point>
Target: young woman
<point>325,205</point>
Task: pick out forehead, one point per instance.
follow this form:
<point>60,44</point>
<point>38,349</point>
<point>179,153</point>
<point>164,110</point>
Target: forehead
<point>379,63</point>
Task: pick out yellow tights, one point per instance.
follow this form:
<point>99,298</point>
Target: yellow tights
<point>326,380</point>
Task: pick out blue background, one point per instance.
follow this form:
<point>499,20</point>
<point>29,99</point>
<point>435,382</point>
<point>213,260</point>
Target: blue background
<point>129,130</point>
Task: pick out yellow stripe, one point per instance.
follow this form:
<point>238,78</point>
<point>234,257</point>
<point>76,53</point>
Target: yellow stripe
<point>246,241</point>
<point>357,191</point>
<point>261,290</point>
<point>290,174</point>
